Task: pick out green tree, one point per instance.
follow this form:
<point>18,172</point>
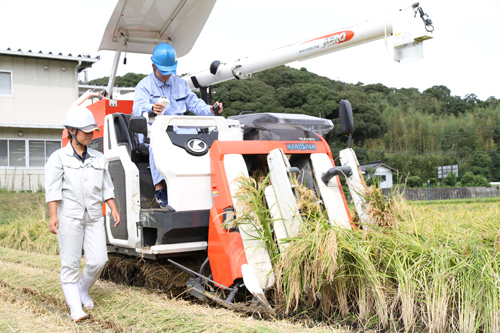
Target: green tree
<point>127,80</point>
<point>377,88</point>
<point>414,181</point>
<point>467,179</point>
<point>450,179</point>
<point>480,165</point>
<point>442,93</point>
<point>480,181</point>
<point>495,167</point>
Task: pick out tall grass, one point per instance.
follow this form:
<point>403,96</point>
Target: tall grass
<point>417,267</point>
<point>28,229</point>
<point>434,267</point>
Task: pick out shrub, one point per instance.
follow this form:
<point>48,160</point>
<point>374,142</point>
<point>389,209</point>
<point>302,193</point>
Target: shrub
<point>414,181</point>
<point>450,179</point>
<point>468,179</point>
<point>479,180</point>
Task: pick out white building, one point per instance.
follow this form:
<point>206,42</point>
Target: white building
<point>36,90</point>
<point>382,170</point>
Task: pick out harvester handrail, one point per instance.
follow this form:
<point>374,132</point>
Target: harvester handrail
<point>220,123</point>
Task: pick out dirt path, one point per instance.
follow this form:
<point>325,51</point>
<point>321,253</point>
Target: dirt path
<point>31,300</point>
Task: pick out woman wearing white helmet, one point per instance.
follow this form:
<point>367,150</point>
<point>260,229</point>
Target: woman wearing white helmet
<point>77,182</point>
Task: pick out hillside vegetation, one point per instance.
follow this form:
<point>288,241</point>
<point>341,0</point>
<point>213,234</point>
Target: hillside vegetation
<point>410,130</point>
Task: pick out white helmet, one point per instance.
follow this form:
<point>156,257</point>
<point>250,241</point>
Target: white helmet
<point>79,117</point>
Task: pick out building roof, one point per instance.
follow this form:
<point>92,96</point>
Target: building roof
<point>375,165</point>
<point>85,61</point>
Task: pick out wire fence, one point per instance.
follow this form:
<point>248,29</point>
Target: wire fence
<point>445,193</point>
<point>22,180</point>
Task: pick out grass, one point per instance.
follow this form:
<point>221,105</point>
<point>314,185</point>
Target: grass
<point>15,205</point>
<point>433,267</point>
<point>416,267</point>
<point>25,223</point>
<point>30,289</point>
<point>29,283</point>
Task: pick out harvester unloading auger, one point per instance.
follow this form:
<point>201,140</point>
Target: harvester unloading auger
<point>201,170</point>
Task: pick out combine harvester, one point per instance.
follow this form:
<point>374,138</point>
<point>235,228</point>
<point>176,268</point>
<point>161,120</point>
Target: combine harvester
<point>200,169</point>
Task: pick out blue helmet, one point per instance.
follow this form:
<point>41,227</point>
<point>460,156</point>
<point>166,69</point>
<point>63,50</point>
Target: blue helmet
<point>165,59</point>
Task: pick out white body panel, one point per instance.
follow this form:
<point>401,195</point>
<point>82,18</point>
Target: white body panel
<point>255,250</point>
<point>174,248</point>
<point>131,187</point>
<point>251,281</point>
<point>187,176</point>
<point>330,194</point>
<point>275,212</point>
<point>356,183</point>
<point>182,171</point>
<point>287,222</point>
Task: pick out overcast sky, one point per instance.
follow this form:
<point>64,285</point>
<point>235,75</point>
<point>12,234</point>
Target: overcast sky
<point>464,55</point>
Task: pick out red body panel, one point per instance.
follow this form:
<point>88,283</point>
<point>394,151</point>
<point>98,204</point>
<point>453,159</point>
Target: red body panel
<point>100,110</point>
<point>225,248</point>
<point>225,251</point>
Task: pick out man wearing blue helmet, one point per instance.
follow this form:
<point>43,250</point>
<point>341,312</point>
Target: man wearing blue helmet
<point>162,82</point>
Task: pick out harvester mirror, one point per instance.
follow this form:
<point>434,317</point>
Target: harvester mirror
<point>345,117</point>
<point>138,125</point>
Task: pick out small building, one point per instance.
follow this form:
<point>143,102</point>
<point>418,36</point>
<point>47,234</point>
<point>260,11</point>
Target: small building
<point>36,90</point>
<point>382,170</point>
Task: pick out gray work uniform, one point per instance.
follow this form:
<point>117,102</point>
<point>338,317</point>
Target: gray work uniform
<point>80,189</point>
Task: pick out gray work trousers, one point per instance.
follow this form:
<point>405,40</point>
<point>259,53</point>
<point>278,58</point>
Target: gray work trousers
<point>73,234</point>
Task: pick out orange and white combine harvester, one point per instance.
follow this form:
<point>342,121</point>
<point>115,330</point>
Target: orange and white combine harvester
<point>200,169</point>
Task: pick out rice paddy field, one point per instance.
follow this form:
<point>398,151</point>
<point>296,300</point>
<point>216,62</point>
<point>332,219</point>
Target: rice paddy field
<point>417,268</point>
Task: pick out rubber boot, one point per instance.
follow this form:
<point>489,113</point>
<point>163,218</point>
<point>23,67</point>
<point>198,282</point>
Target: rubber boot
<point>72,295</point>
<point>86,282</point>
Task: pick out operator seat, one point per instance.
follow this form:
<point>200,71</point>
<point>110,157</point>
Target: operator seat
<point>138,151</point>
<point>139,155</point>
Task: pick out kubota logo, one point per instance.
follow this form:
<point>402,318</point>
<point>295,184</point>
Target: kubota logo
<point>197,146</point>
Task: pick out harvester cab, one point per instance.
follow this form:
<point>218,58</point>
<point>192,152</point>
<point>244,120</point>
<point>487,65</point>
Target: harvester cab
<point>204,159</point>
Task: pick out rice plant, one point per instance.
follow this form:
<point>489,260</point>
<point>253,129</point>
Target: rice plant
<point>433,268</point>
<point>29,231</point>
<point>416,268</point>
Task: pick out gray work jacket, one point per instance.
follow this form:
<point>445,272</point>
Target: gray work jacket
<point>78,186</point>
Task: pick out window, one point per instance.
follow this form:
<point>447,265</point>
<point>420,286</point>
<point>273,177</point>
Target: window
<point>17,153</point>
<point>5,83</point>
<point>383,178</point>
<point>37,153</point>
<point>26,153</point>
<point>50,147</point>
<point>3,153</point>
